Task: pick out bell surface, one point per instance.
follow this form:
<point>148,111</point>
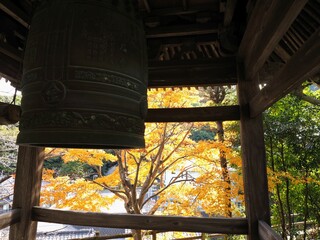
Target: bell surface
<point>84,76</point>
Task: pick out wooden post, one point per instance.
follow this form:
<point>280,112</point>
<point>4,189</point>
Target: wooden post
<point>27,191</point>
<point>253,159</point>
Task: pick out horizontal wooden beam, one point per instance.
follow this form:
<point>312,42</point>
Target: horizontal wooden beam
<point>193,39</point>
<point>267,233</point>
<point>12,10</point>
<point>268,23</point>
<point>146,222</point>
<point>222,71</point>
<point>204,114</point>
<point>181,11</point>
<point>304,64</point>
<point>200,114</point>
<point>184,30</point>
<point>9,218</point>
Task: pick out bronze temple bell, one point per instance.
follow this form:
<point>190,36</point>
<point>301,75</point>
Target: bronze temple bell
<point>84,76</point>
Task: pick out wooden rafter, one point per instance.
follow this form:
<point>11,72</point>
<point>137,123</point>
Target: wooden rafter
<point>268,23</point>
<point>228,14</point>
<point>11,52</point>
<point>147,5</point>
<point>10,69</point>
<point>12,10</point>
<point>302,65</point>
<point>147,222</point>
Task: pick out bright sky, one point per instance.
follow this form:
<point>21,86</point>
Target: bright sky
<point>6,88</point>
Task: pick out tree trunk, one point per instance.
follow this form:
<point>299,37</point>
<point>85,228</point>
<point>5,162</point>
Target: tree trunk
<point>137,234</point>
<point>282,216</point>
<point>306,210</point>
<point>224,168</point>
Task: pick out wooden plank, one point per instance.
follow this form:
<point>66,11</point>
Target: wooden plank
<point>267,233</point>
<point>146,222</point>
<point>184,30</point>
<point>12,10</point>
<point>253,159</point>
<point>304,64</point>
<point>203,114</point>
<point>222,71</point>
<point>27,191</point>
<point>9,218</point>
<point>270,20</point>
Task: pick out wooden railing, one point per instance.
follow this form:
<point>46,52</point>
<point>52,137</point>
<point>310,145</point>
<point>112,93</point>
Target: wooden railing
<point>9,218</point>
<point>145,222</point>
<point>267,233</point>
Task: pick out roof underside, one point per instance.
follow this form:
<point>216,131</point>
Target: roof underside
<point>197,42</point>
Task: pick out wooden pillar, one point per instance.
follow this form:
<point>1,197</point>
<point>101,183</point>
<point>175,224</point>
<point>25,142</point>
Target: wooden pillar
<point>27,191</point>
<point>253,159</point>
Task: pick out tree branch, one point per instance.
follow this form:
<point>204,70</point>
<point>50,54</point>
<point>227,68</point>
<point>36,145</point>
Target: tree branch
<point>299,93</point>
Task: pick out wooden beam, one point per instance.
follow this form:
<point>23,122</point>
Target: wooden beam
<point>13,11</point>
<point>228,14</point>
<point>184,30</point>
<point>268,23</point>
<point>267,233</point>
<point>181,11</point>
<point>304,64</point>
<point>27,191</point>
<point>9,218</point>
<point>253,159</point>
<point>11,52</point>
<point>146,222</point>
<point>10,69</point>
<point>183,40</point>
<point>222,71</point>
<point>203,114</point>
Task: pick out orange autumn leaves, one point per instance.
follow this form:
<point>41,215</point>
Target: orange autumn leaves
<point>168,149</point>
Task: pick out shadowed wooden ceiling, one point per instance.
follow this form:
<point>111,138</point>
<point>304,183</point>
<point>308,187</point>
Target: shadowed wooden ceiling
<point>194,42</point>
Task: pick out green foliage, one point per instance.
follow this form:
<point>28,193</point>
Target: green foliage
<point>202,134</point>
<point>73,170</point>
<point>54,163</point>
<point>292,136</point>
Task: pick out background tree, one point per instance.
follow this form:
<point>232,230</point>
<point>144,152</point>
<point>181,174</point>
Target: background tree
<point>172,175</point>
<point>293,144</point>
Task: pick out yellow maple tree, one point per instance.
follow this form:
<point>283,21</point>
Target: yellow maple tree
<point>172,175</point>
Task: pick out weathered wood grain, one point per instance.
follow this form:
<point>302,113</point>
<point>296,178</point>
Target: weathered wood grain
<point>267,233</point>
<point>253,160</point>
<point>299,68</point>
<point>146,222</point>
<point>183,73</point>
<point>27,191</point>
<point>9,218</point>
<point>177,31</point>
<point>203,114</point>
<point>268,23</point>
